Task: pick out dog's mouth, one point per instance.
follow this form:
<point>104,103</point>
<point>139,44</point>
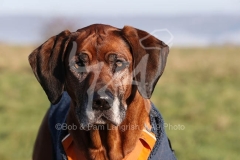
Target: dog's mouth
<point>100,124</point>
<point>91,118</point>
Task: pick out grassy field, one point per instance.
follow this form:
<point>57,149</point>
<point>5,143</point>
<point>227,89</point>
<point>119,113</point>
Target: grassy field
<point>198,96</point>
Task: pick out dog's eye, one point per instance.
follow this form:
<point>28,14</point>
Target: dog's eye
<point>117,63</point>
<point>82,60</point>
<point>79,67</point>
<point>120,65</point>
<point>80,63</point>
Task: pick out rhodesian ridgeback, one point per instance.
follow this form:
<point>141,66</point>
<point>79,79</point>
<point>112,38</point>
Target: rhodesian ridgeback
<point>109,75</point>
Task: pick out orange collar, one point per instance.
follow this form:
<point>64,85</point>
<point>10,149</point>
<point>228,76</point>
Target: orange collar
<point>141,151</point>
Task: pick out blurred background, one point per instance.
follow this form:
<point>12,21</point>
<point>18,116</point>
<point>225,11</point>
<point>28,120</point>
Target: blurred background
<point>198,94</point>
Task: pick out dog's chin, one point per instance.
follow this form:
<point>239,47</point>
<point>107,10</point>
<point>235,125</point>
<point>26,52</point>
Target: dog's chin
<point>99,124</point>
<point>103,120</point>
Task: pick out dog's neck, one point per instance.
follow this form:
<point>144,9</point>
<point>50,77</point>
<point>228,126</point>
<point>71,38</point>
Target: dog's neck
<point>112,142</point>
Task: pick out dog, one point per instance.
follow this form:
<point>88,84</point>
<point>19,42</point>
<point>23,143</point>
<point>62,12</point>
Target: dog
<point>99,80</point>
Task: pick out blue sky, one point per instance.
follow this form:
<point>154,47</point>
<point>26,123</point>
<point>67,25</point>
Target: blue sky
<point>116,8</point>
<point>201,22</point>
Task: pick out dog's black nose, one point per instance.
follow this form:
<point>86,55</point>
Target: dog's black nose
<point>102,101</point>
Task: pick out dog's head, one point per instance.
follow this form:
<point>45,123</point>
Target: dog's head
<point>99,66</point>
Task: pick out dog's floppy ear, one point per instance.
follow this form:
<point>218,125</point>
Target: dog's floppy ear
<point>47,64</point>
<point>149,56</point>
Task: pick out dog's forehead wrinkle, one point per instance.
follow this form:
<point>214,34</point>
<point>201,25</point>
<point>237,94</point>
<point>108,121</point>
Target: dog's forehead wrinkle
<point>101,42</point>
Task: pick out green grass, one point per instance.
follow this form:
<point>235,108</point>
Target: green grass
<point>199,90</point>
<point>22,104</point>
